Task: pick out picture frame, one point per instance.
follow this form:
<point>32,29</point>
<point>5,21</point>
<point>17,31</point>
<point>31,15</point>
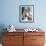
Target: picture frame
<point>26,13</point>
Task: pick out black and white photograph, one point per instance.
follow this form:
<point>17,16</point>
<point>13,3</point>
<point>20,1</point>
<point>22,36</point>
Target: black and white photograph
<point>26,13</point>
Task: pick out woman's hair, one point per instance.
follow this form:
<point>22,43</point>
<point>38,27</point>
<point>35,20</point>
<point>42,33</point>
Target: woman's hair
<point>22,10</point>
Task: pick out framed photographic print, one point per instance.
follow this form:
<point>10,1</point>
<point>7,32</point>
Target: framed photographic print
<point>26,13</point>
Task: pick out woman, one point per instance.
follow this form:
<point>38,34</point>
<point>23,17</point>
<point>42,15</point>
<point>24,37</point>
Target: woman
<point>26,16</point>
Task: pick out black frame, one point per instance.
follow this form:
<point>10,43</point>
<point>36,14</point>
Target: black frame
<point>20,13</point>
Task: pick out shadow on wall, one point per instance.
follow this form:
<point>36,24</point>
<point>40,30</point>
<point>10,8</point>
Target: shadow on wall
<point>2,26</point>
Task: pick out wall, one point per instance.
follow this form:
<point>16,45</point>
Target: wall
<point>10,13</point>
